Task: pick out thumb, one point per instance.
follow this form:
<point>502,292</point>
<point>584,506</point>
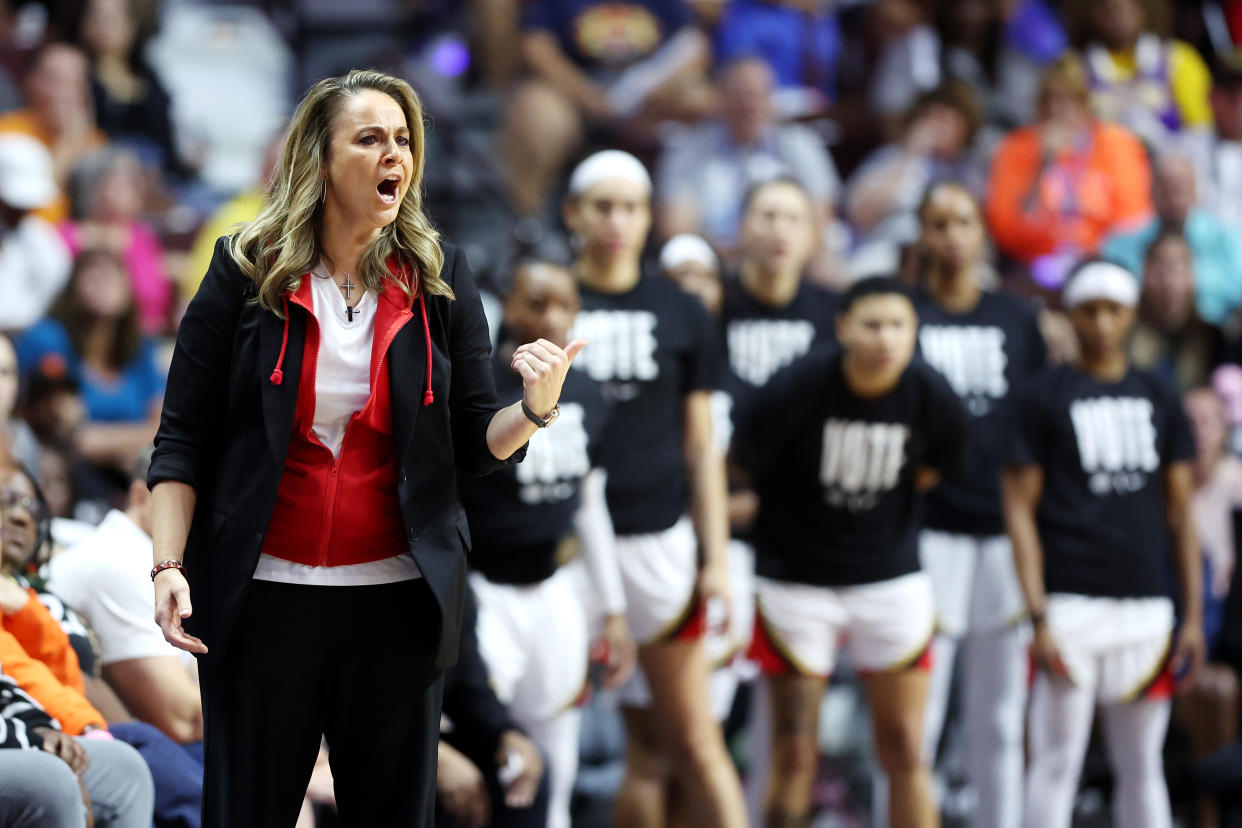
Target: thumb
<point>181,595</point>
<point>572,349</point>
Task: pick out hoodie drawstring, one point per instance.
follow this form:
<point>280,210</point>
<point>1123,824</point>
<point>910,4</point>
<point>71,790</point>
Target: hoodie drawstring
<point>278,375</point>
<point>428,396</point>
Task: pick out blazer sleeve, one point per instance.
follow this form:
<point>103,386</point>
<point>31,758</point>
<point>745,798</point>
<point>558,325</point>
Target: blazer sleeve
<point>196,398</point>
<point>472,400</point>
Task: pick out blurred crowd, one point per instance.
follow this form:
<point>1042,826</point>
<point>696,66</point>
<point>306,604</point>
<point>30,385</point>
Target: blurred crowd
<point>133,133</point>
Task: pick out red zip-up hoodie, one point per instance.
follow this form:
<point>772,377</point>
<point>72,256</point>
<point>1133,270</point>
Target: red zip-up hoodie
<point>333,511</point>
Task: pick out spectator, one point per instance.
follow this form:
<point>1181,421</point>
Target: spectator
<point>16,436</point>
<point>704,173</point>
<point>131,104</point>
<point>1218,489</point>
<point>596,64</point>
<point>981,45</point>
<point>907,58</point>
<point>58,114</point>
<point>52,404</point>
<point>1209,711</point>
<point>48,779</point>
<point>1154,86</point>
<point>1034,38</point>
<point>1220,167</point>
<point>998,48</point>
<point>106,196</point>
<point>883,196</point>
<point>104,577</point>
<point>1057,188</point>
<point>693,266</point>
<point>1216,246</point>
<point>1170,338</point>
<point>93,333</point>
<point>799,39</point>
<point>52,656</point>
<point>34,263</point>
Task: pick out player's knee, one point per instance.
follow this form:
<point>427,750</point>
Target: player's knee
<point>898,745</point>
<point>794,756</point>
<point>697,751</point>
<point>1055,763</point>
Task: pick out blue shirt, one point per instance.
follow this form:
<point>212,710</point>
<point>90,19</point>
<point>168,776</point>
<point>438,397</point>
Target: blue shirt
<point>801,48</point>
<point>1217,250</point>
<point>607,35</point>
<point>126,399</point>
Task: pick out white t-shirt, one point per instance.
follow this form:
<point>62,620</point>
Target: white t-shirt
<point>105,577</point>
<point>34,266</point>
<point>342,387</point>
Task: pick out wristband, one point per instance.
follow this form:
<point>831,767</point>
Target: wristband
<point>1037,617</point>
<point>169,564</point>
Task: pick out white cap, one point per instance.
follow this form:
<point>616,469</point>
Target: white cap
<point>1100,280</point>
<point>687,248</point>
<point>605,165</point>
<point>26,179</point>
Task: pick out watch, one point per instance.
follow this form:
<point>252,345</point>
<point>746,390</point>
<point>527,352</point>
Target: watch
<point>541,422</point>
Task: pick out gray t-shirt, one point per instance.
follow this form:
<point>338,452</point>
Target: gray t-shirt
<point>703,166</point>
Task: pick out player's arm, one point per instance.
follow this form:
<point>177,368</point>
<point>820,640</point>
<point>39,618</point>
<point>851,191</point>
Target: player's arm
<point>1189,652</point>
<point>1022,487</point>
<point>599,554</point>
<point>709,500</point>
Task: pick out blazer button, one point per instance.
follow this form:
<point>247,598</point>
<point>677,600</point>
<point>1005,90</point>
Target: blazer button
<point>401,475</point>
<point>413,534</point>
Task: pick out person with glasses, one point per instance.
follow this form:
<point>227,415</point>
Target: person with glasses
<point>36,655</point>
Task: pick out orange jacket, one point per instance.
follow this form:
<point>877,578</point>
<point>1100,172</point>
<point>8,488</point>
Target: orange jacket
<point>1072,202</point>
<point>36,653</point>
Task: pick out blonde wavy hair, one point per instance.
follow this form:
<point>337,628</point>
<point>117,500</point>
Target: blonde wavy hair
<point>282,243</point>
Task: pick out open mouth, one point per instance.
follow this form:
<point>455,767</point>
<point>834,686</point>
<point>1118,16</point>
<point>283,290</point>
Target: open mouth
<point>387,189</point>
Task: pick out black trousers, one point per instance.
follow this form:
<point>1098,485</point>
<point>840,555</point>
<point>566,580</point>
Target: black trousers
<point>353,664</point>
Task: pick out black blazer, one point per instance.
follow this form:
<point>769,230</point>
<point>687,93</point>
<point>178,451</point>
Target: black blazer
<point>225,430</point>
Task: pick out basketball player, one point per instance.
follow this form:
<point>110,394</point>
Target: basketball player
<point>1097,500</point>
<point>988,346</point>
<point>841,446</point>
<point>653,348</point>
<point>529,519</point>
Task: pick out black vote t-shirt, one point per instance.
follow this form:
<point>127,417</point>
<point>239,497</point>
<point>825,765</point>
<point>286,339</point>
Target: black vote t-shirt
<point>988,355</point>
<point>1103,448</point>
<point>761,339</point>
<point>835,472</point>
<point>649,347</point>
<point>520,514</point>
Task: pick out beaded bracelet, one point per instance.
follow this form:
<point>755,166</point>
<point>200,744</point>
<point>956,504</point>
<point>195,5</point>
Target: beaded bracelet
<point>169,564</point>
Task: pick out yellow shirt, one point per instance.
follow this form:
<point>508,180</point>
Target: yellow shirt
<point>1190,81</point>
<point>239,210</point>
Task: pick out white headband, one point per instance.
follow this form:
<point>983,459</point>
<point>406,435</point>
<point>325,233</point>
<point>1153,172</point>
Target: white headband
<point>687,248</point>
<point>605,165</point>
<point>1101,280</point>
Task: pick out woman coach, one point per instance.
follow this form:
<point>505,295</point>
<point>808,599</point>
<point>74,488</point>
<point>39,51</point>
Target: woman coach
<point>331,378</point>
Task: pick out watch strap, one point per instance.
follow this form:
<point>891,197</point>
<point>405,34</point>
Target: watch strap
<point>541,422</point>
